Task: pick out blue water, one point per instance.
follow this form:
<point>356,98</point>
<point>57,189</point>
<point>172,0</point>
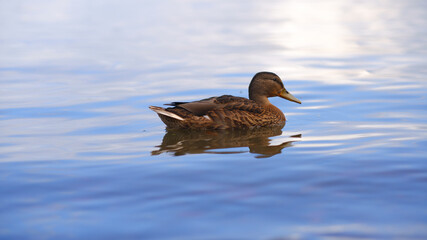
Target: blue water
<point>82,156</point>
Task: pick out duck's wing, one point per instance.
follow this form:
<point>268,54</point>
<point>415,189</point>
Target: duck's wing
<point>204,106</point>
<point>198,108</point>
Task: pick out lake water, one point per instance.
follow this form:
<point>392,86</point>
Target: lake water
<point>82,156</point>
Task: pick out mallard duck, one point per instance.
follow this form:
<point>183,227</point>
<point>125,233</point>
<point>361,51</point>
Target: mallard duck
<point>229,111</point>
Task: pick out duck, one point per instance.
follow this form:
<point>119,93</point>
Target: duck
<point>231,112</point>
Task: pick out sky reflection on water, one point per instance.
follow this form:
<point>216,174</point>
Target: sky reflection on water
<point>79,148</point>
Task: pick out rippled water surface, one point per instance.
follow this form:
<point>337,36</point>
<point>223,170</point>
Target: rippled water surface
<point>82,156</point>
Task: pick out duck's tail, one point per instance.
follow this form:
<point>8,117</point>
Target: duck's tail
<point>164,112</point>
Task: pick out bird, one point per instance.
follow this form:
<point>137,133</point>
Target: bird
<point>231,112</point>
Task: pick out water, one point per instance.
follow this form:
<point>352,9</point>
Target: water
<point>82,156</point>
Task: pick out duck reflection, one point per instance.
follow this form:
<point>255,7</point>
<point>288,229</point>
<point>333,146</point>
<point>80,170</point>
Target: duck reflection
<point>181,142</point>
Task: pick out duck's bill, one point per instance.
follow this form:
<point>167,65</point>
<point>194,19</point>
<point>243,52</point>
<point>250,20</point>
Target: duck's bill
<point>286,95</point>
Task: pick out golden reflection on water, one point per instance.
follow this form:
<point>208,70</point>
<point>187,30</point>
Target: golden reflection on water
<point>181,142</point>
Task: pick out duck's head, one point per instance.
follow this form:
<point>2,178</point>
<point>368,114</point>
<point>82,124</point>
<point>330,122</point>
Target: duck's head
<point>268,84</point>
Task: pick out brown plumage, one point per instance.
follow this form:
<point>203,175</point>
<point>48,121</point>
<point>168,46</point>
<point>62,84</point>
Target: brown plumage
<point>229,111</point>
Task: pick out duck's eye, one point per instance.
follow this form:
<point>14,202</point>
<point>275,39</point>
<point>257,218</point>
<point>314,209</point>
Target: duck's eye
<point>277,81</point>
